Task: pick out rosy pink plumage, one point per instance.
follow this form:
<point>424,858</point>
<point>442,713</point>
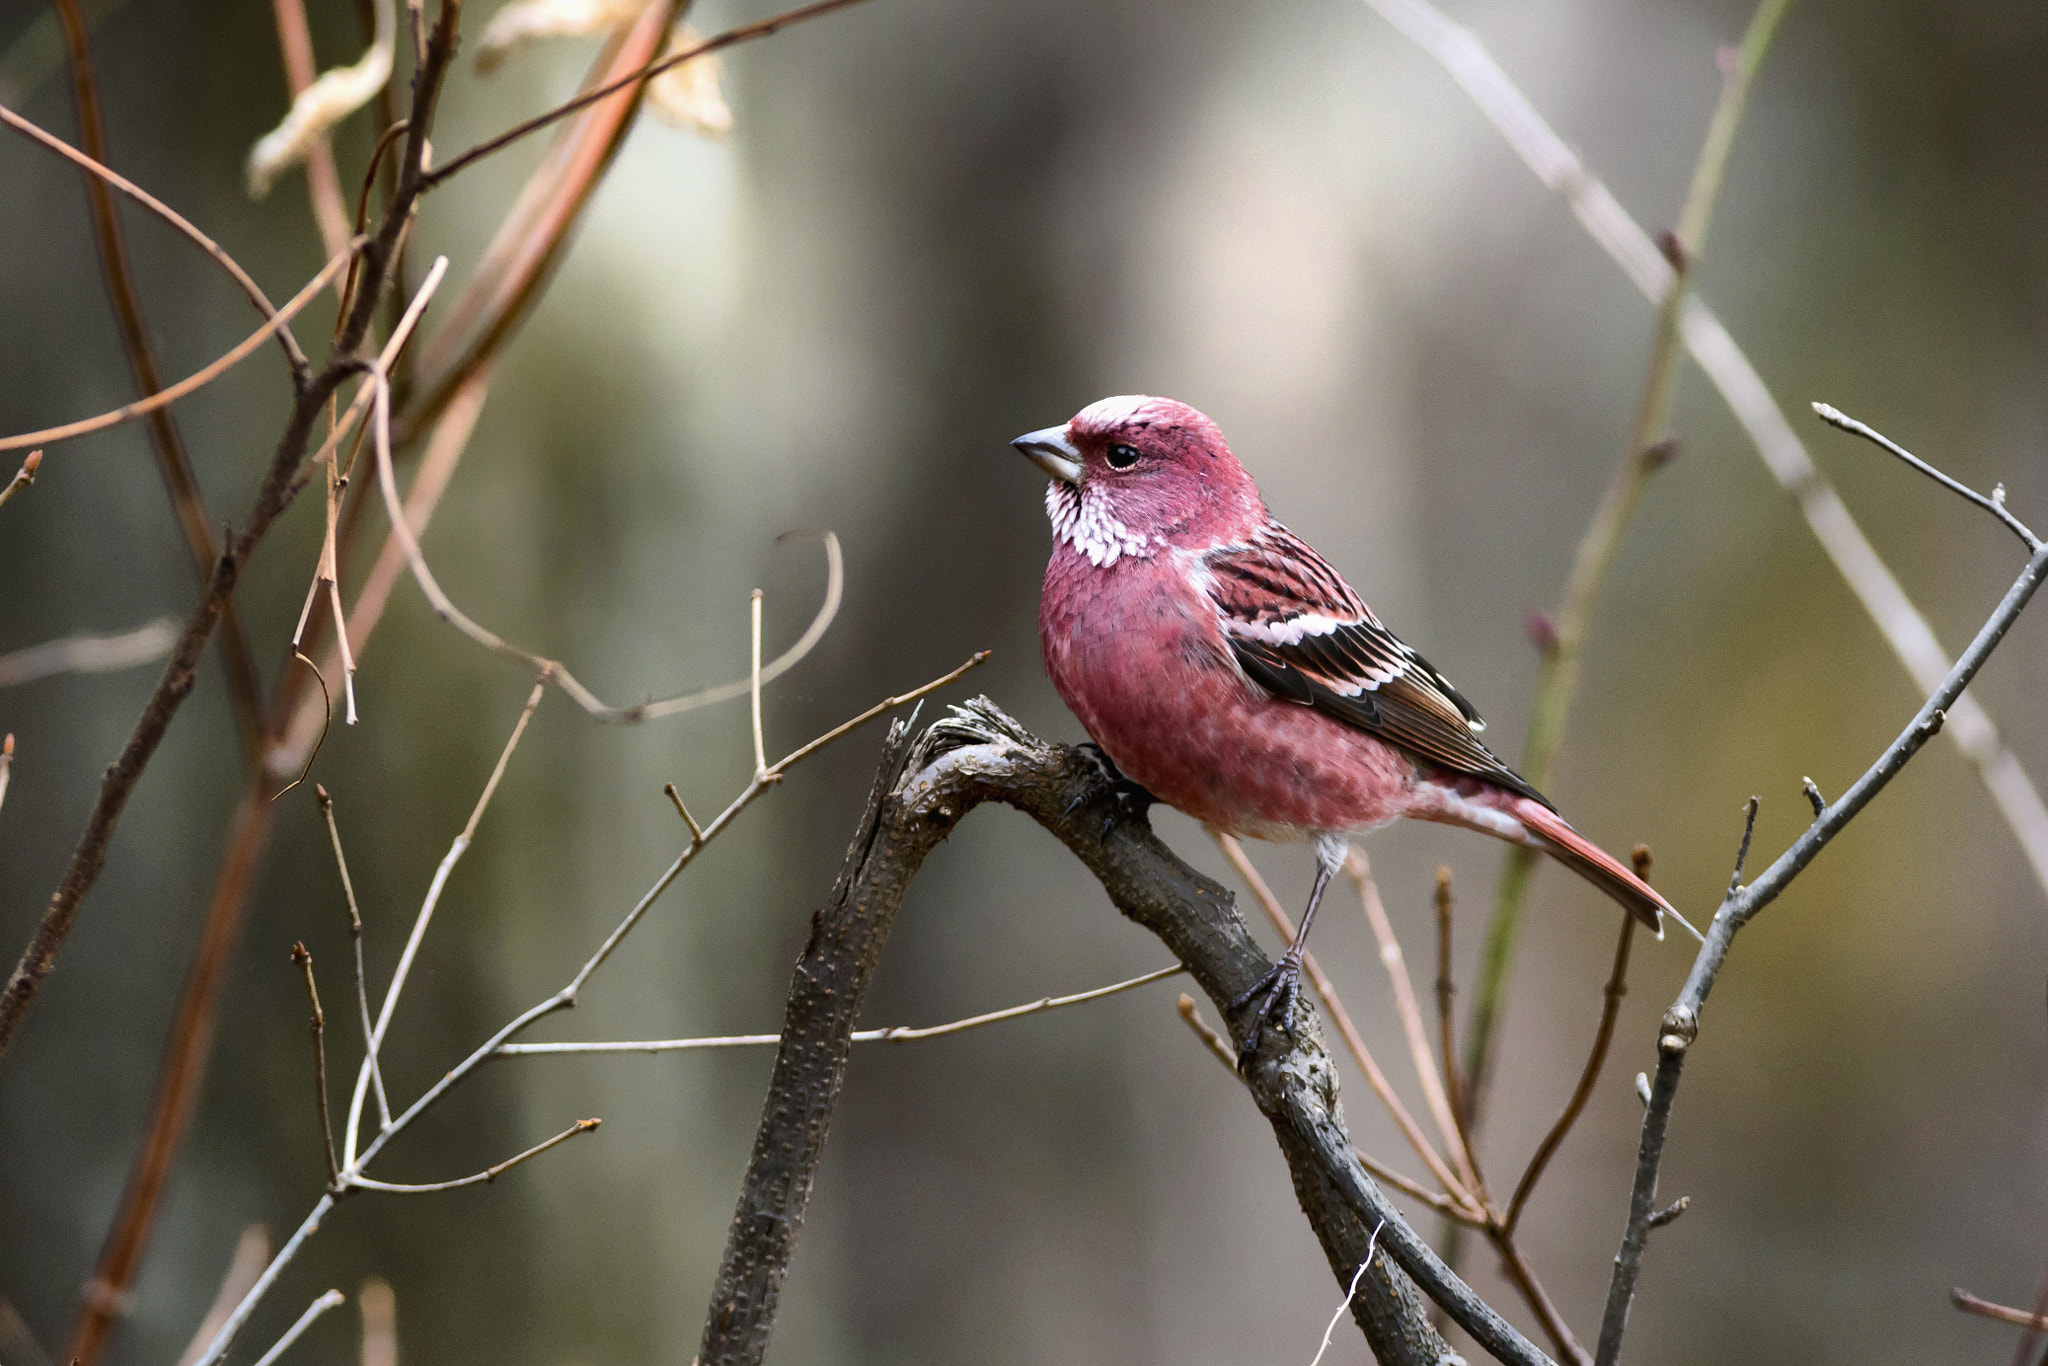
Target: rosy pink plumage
<point>1226,667</point>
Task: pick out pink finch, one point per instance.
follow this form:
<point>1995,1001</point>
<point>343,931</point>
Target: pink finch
<point>1223,665</point>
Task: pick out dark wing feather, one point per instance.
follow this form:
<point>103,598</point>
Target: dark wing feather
<point>1301,633</point>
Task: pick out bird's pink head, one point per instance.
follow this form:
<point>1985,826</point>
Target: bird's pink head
<point>1132,475</point>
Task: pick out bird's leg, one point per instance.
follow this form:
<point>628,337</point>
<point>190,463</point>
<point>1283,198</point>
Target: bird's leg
<point>1273,995</point>
<point>1131,798</point>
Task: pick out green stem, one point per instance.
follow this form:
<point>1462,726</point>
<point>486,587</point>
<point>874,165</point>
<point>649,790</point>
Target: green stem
<point>1645,453</point>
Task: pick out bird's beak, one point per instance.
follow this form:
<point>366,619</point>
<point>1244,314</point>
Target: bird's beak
<point>1050,450</point>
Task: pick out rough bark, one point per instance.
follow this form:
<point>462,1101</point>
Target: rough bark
<point>978,755</point>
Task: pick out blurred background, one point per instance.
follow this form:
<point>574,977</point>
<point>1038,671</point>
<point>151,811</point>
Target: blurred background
<point>937,224</point>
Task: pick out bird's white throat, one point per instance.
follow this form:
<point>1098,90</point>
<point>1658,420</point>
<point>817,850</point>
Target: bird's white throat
<point>1081,517</point>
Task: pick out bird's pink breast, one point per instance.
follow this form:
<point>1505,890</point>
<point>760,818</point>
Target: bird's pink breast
<point>1135,650</point>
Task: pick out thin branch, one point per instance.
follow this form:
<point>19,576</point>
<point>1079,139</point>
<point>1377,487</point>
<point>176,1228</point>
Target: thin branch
<point>1748,398</point>
<point>313,1311</point>
<point>1350,1291</point>
<point>23,477</point>
<point>754,675</point>
<point>419,928</point>
<point>488,1174</point>
<point>142,407</point>
<point>89,654</point>
<point>1749,810</point>
<point>185,1056</point>
<point>1680,1024</point>
<point>881,708</point>
<point>168,445</point>
<point>1220,1047</point>
<point>1339,1016</point>
<point>319,1028</point>
<point>436,467</point>
<point>696,830</point>
<point>1610,1011</point>
<point>445,608</point>
<point>760,29</point>
<point>1446,1000</point>
<point>1997,1313</point>
<point>1523,1277</point>
<point>1995,504</point>
<point>1557,682</point>
<point>893,1034</point>
<point>1442,1204</point>
<point>355,933</point>
<point>1412,1027</point>
<point>293,356</point>
<point>534,235</point>
<point>323,183</point>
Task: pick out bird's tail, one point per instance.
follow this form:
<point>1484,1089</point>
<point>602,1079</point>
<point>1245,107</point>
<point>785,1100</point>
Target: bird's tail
<point>1594,864</point>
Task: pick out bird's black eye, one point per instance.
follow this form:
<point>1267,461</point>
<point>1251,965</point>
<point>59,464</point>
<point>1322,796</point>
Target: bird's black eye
<point>1123,457</point>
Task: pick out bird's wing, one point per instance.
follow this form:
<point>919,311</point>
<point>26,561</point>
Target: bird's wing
<point>1304,635</point>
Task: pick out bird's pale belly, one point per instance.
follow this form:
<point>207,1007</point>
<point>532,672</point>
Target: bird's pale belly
<point>1154,684</point>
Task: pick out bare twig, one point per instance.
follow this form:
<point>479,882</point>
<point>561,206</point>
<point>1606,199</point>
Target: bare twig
<point>456,849</point>
<point>1442,1204</point>
<point>353,1165</point>
<point>1349,1291</point>
<point>185,1056</point>
<point>1220,1047</point>
<point>319,1028</point>
<point>533,235</point>
<point>1680,1024</point>
<point>295,357</point>
<point>165,395</point>
<point>323,183</point>
<point>89,654</point>
<point>1412,1027</point>
<point>1749,810</point>
<point>1748,398</point>
<point>355,933</point>
<point>23,477</point>
<point>1339,1016</point>
<point>1557,682</point>
<point>1446,1000</point>
<point>445,608</point>
<point>1997,1313</point>
<point>488,1174</point>
<point>173,462</point>
<point>1995,504</point>
<point>754,675</point>
<point>760,29</point>
<point>1610,1010</point>
<point>313,1311</point>
<point>696,830</point>
<point>893,1034</point>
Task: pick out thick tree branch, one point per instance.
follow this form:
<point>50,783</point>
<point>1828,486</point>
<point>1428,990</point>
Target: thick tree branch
<point>978,755</point>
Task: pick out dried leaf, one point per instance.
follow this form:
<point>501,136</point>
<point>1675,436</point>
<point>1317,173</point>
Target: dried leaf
<point>530,21</point>
<point>690,95</point>
<point>323,104</point>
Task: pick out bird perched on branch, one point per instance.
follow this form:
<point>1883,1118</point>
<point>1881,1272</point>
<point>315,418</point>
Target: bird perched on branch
<point>1225,667</point>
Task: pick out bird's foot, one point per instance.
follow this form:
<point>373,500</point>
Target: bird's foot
<point>1271,1001</point>
<point>1129,799</point>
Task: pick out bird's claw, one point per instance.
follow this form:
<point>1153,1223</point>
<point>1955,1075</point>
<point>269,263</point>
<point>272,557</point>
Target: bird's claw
<point>1129,799</point>
<point>1271,1000</point>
